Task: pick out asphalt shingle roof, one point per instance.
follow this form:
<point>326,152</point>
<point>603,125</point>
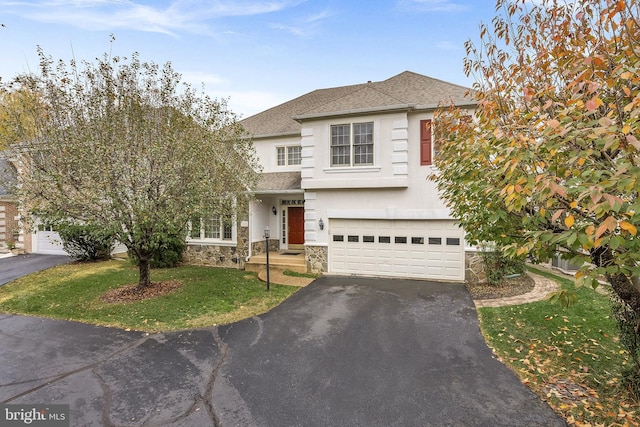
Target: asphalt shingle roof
<point>279,181</point>
<point>407,90</point>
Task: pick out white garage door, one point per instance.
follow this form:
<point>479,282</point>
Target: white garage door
<point>413,249</point>
<point>48,242</point>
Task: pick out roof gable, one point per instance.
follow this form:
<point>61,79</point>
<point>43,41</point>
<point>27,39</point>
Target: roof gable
<point>406,90</point>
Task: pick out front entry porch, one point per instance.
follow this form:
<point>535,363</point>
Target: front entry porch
<point>281,260</point>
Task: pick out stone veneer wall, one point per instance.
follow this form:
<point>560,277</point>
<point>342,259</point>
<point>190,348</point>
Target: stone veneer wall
<point>219,255</point>
<point>258,247</point>
<point>316,257</point>
<point>213,256</point>
<point>474,269</point>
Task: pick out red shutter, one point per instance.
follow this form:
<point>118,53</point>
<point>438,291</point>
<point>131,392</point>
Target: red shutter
<point>425,142</point>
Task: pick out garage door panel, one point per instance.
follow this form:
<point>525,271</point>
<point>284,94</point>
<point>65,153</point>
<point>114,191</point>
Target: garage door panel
<point>416,249</point>
<point>369,253</point>
<point>49,243</point>
<point>356,252</point>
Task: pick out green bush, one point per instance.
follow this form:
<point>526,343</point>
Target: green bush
<point>498,266</point>
<point>86,242</point>
<point>169,254</point>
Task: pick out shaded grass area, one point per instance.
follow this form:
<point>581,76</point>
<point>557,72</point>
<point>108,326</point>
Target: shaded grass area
<point>304,275</point>
<point>571,356</point>
<point>207,296</point>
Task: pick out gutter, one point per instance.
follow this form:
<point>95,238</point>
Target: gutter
<point>356,111</point>
<point>271,192</point>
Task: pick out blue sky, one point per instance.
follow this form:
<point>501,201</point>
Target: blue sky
<point>257,53</point>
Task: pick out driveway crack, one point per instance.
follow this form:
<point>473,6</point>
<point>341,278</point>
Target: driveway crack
<point>91,366</point>
<point>224,351</point>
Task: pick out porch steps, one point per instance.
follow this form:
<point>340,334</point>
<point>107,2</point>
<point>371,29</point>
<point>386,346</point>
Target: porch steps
<point>277,260</point>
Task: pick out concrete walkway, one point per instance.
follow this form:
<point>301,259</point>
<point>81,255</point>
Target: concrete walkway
<point>278,276</point>
<point>542,288</point>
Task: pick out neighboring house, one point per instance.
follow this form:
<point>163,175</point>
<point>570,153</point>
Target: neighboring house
<point>41,239</point>
<point>9,219</point>
<point>345,181</point>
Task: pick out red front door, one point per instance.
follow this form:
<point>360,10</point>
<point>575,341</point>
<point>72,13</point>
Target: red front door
<point>296,226</point>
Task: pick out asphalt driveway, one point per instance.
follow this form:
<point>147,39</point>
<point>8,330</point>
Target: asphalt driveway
<point>340,352</point>
<point>20,265</point>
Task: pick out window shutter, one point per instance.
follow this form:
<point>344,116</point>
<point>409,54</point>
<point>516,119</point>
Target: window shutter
<point>425,142</point>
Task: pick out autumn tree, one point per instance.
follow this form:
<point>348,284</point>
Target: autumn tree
<point>122,144</point>
<point>17,107</point>
<point>551,160</point>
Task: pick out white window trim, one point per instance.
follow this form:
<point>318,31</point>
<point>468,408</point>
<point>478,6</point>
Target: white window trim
<point>286,155</point>
<point>214,241</point>
<point>375,167</point>
<point>352,169</point>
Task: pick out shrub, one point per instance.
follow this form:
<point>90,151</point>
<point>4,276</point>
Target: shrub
<point>86,242</point>
<point>498,266</point>
<point>169,254</point>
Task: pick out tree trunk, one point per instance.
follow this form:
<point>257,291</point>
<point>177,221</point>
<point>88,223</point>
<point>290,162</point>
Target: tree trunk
<point>622,285</point>
<point>626,288</point>
<point>144,266</point>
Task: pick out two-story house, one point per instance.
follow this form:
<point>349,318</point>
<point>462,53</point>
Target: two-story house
<point>345,180</point>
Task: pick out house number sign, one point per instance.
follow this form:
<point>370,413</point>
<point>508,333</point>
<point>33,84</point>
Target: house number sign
<point>292,202</point>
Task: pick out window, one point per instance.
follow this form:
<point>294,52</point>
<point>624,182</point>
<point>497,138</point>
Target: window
<point>384,239</point>
<point>289,156</point>
<point>282,159</point>
<point>417,240</point>
<point>352,144</point>
<point>294,155</point>
<point>353,239</point>
<point>214,228</point>
<point>453,241</point>
<point>400,239</point>
<point>284,226</point>
<point>435,240</point>
<point>211,228</point>
<point>368,239</point>
<point>338,238</point>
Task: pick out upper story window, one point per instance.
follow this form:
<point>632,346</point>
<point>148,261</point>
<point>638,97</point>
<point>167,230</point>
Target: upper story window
<point>288,156</point>
<point>352,144</point>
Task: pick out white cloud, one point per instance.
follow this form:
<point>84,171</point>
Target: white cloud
<point>169,18</point>
<point>249,103</point>
<point>303,27</point>
<point>432,5</point>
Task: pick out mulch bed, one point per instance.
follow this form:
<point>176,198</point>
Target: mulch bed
<point>508,288</point>
<point>133,293</point>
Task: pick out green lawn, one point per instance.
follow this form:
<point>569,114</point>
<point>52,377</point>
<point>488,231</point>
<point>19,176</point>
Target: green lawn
<point>570,356</point>
<point>208,296</point>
